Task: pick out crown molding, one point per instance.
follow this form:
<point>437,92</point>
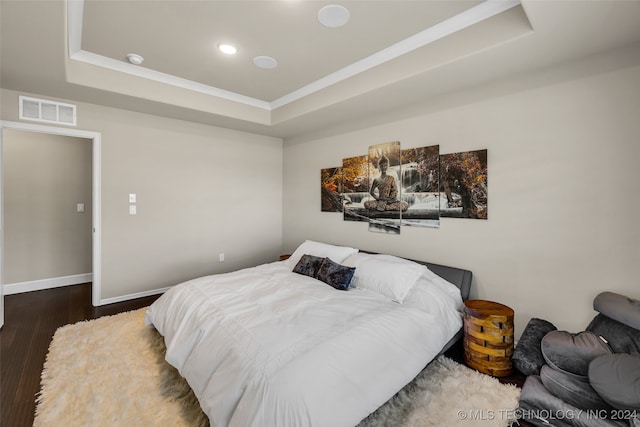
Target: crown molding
<point>443,29</point>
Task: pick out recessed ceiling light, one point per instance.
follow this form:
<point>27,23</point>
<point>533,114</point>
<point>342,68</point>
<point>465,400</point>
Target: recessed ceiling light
<point>227,48</point>
<point>333,16</point>
<point>135,59</point>
<point>265,62</point>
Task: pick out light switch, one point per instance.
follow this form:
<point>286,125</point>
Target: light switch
<point>80,207</point>
<point>132,197</point>
<point>132,210</point>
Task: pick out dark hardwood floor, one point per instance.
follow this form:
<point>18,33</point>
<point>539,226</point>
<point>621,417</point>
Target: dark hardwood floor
<point>31,319</point>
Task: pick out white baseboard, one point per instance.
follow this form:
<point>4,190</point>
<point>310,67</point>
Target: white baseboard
<point>57,282</point>
<point>134,296</point>
<point>38,285</point>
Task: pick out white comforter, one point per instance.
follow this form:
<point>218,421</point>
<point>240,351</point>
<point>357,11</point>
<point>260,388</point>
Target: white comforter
<point>265,347</point>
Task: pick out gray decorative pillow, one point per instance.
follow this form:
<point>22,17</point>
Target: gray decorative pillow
<point>537,404</point>
<point>574,391</point>
<point>621,338</point>
<point>572,353</point>
<point>619,307</point>
<point>336,275</point>
<point>527,356</point>
<point>616,377</point>
<point>308,265</point>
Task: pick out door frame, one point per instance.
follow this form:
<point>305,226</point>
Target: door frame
<point>96,137</point>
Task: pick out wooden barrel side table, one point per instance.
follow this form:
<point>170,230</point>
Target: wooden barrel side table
<point>488,337</point>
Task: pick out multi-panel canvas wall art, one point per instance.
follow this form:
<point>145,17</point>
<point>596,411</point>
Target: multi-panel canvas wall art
<point>463,180</point>
<point>420,173</point>
<point>384,203</point>
<point>355,185</point>
<point>331,190</point>
<point>415,187</point>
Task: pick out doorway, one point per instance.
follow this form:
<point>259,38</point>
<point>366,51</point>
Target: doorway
<point>95,139</point>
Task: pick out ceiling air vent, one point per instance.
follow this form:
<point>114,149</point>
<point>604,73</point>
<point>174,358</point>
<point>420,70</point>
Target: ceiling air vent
<point>41,110</point>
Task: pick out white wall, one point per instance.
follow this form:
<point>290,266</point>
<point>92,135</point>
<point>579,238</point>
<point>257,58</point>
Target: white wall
<point>201,191</point>
<point>563,181</point>
<point>45,177</point>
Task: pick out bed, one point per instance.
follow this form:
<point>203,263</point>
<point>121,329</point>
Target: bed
<point>288,344</point>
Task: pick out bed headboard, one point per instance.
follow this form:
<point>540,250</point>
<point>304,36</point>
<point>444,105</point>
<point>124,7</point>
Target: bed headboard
<point>458,276</point>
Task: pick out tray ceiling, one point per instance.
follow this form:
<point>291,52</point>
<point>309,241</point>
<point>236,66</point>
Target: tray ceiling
<point>391,54</point>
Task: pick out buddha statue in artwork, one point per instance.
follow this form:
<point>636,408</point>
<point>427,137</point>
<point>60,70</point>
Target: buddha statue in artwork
<point>384,190</point>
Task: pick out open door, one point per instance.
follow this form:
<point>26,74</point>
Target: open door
<point>95,137</point>
<point>1,239</point>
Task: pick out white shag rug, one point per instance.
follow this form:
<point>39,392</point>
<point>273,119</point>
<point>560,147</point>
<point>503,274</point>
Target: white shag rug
<point>111,372</point>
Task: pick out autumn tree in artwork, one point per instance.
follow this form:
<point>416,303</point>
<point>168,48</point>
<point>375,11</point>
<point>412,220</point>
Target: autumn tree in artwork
<point>331,189</point>
<point>355,174</point>
<point>466,175</point>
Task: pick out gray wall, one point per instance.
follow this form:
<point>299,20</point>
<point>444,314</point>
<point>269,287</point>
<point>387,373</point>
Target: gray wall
<point>201,191</point>
<point>45,177</point>
<point>563,181</point>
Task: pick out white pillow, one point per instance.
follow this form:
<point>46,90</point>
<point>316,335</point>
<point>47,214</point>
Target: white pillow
<point>431,292</point>
<point>443,284</point>
<point>429,297</point>
<point>322,250</point>
<point>387,275</point>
